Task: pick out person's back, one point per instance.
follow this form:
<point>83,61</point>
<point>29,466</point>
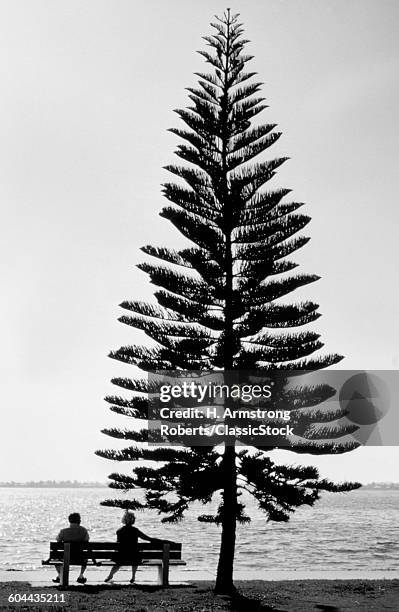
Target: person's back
<point>73,533</point>
<point>127,537</point>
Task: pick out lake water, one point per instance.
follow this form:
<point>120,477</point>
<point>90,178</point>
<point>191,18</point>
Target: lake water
<point>354,531</point>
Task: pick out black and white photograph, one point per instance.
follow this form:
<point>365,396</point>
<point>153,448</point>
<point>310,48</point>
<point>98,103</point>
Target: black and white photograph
<point>200,341</point>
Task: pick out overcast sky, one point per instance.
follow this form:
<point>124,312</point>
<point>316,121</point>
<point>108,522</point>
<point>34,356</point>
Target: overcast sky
<point>87,93</point>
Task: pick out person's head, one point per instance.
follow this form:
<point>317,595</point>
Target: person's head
<point>74,518</point>
<point>128,518</point>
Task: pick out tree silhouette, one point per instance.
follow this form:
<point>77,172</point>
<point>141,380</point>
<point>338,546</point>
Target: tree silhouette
<point>218,308</point>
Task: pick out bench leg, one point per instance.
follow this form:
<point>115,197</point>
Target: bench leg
<point>165,565</point>
<point>65,565</point>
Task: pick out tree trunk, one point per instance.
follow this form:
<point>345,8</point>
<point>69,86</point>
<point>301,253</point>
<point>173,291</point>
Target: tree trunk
<point>224,578</point>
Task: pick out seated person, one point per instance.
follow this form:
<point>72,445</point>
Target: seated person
<point>128,549</point>
<point>77,536</point>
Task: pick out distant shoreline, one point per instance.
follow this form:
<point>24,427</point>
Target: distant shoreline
<point>74,484</point>
<point>53,484</point>
<point>381,486</point>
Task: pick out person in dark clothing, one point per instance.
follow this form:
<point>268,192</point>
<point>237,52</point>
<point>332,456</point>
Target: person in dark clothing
<point>77,536</point>
<point>128,549</point>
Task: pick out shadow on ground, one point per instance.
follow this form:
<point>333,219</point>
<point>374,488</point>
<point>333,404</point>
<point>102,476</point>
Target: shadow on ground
<point>243,603</point>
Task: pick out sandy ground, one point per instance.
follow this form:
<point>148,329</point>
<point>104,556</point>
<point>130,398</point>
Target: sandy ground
<point>253,595</point>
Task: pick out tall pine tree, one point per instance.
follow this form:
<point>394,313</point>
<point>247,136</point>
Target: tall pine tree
<point>219,308</point>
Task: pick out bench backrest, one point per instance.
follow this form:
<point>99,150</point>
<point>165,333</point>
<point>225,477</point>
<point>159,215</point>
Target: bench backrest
<point>106,550</point>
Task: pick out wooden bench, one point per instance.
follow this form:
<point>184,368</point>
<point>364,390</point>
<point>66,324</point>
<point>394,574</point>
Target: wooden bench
<point>158,553</point>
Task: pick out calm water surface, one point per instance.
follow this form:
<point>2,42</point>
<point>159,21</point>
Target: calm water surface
<point>358,530</point>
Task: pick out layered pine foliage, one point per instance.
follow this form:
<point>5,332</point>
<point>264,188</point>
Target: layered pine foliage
<point>221,303</point>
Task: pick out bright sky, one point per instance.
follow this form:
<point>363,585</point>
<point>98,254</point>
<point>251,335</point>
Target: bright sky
<point>87,95</point>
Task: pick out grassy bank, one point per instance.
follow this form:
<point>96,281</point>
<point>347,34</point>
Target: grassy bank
<point>254,595</point>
